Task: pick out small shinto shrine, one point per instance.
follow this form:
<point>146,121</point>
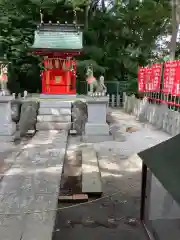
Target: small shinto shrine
<point>58,44</point>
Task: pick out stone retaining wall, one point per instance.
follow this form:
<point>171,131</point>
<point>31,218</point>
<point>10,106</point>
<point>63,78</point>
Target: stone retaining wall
<point>157,114</point>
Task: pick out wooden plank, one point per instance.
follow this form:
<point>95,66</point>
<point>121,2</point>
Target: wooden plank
<point>91,177</point>
<point>77,198</point>
<point>74,198</point>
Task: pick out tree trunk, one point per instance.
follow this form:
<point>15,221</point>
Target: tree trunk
<point>175,26</point>
<point>103,5</point>
<point>87,15</point>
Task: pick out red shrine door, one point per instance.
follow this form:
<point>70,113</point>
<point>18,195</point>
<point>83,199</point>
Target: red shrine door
<point>59,78</point>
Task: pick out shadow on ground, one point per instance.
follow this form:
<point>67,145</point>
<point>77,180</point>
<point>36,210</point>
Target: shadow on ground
<point>113,217</point>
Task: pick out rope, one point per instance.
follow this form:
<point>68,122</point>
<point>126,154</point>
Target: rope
<point>62,208</point>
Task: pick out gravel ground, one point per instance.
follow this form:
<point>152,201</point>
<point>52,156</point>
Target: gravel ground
<point>115,217</point>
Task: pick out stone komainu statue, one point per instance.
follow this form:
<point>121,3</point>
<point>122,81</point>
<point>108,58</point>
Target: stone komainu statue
<point>97,87</point>
<point>3,78</point>
<point>101,88</point>
<point>91,80</point>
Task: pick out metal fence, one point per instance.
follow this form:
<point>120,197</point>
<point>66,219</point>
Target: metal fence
<point>115,100</point>
<point>114,91</point>
<point>113,87</point>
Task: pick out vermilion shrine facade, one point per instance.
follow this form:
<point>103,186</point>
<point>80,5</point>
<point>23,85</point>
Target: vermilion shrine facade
<point>58,44</point>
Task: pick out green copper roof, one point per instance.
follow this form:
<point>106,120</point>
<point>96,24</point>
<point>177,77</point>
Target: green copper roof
<point>57,38</point>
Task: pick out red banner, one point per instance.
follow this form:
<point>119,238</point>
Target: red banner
<point>176,88</point>
<point>141,79</point>
<point>156,77</point>
<point>148,79</point>
<point>170,68</point>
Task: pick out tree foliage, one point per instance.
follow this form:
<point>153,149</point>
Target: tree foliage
<point>118,36</point>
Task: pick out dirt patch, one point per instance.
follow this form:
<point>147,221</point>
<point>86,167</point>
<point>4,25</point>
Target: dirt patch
<point>131,129</point>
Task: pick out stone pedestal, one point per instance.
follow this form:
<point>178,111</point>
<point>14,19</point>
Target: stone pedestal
<point>7,127</point>
<point>97,110</point>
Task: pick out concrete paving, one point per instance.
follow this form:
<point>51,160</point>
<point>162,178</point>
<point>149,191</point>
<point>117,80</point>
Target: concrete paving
<point>32,184</point>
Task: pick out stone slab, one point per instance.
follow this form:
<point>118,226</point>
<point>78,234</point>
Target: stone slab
<point>55,103</point>
<point>45,187</point>
<point>57,96</point>
<point>58,134</point>
<point>96,129</point>
<point>11,227</point>
<point>39,226</point>
<point>54,111</point>
<point>71,178</point>
<point>33,188</point>
<point>43,126</point>
<point>91,177</point>
<point>51,118</point>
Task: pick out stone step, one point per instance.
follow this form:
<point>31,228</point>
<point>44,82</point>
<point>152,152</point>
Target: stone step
<point>44,126</point>
<point>57,96</point>
<point>52,118</point>
<point>54,111</point>
<point>91,176</point>
<point>55,104</point>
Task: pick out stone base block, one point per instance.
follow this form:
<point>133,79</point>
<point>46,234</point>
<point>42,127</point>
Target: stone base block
<point>7,129</point>
<point>44,126</point>
<point>57,96</point>
<point>96,129</point>
<point>54,111</point>
<point>54,103</point>
<point>7,138</point>
<point>52,118</point>
<point>96,139</point>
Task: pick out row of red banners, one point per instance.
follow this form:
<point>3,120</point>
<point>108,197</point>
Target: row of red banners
<point>149,78</point>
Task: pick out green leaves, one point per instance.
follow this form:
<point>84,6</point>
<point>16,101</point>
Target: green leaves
<point>118,38</point>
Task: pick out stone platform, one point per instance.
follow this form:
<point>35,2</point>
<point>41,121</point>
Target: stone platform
<point>54,113</point>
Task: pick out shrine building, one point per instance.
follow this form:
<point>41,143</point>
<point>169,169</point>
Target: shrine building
<point>58,44</point>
